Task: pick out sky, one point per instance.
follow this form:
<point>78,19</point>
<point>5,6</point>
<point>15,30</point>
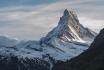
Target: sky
<point>33,19</point>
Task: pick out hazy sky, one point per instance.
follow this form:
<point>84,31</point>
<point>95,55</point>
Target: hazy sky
<point>32,19</point>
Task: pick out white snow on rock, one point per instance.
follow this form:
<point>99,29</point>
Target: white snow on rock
<point>5,41</point>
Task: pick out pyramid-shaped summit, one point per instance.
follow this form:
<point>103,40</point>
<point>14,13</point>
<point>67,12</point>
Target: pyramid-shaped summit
<point>66,12</point>
<point>70,20</point>
<point>69,29</point>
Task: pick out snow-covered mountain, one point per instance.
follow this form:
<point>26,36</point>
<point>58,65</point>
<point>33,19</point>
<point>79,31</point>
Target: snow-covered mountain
<point>64,42</point>
<point>69,29</point>
<point>5,41</point>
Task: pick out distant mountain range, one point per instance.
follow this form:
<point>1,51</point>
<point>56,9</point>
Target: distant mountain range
<point>64,42</point>
<point>5,41</point>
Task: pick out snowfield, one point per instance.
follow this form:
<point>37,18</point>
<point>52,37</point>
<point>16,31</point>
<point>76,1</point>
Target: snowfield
<point>60,51</point>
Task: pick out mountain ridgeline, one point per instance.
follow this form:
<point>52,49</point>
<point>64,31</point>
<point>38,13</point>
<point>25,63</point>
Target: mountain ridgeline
<point>66,41</point>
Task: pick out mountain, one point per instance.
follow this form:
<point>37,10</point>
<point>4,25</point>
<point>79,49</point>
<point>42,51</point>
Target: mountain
<point>5,41</point>
<point>64,42</point>
<point>91,59</point>
<point>69,29</point>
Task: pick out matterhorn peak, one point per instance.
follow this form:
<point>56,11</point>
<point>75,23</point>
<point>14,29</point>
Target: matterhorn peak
<point>69,16</point>
<point>66,12</point>
<point>69,12</point>
<point>69,29</point>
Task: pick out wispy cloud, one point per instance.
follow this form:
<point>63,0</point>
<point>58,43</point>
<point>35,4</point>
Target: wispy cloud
<point>33,22</point>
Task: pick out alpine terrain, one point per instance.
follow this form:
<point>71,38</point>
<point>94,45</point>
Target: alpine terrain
<point>64,42</point>
<point>91,59</point>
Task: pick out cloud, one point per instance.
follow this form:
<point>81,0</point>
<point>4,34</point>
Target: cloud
<point>34,22</point>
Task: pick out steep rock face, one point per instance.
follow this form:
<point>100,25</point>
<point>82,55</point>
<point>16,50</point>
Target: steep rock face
<point>91,59</point>
<point>69,29</point>
<point>99,40</point>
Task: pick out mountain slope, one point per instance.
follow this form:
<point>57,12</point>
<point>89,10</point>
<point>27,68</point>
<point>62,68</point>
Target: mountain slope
<point>91,59</point>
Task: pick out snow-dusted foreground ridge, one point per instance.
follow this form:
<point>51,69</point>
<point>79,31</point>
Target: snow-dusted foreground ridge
<point>65,41</point>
